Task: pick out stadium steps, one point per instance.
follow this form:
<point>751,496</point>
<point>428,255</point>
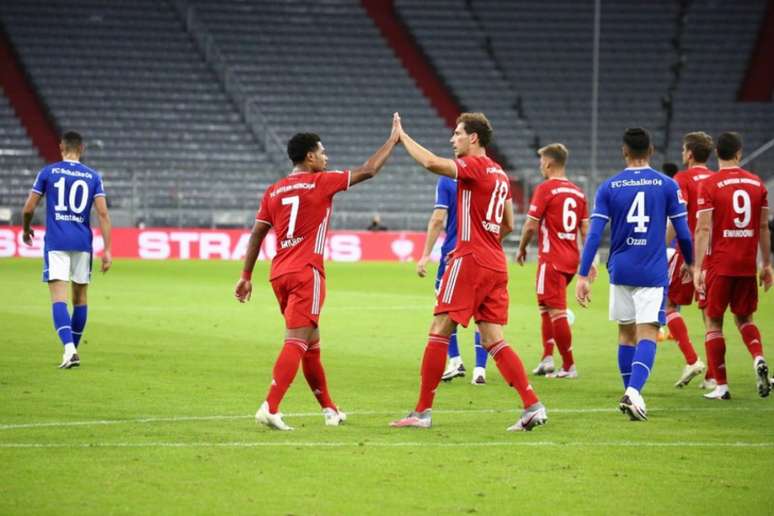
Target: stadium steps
<point>25,101</point>
<point>758,84</point>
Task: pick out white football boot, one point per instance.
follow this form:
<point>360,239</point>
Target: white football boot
<point>762,374</point>
<point>479,376</point>
<point>690,372</point>
<point>264,417</point>
<point>333,417</point>
<point>633,404</point>
<point>544,367</point>
<point>534,415</point>
<point>719,393</point>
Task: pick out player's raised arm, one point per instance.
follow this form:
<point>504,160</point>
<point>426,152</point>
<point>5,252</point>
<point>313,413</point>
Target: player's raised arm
<point>433,163</point>
<point>373,164</point>
<point>764,244</point>
<point>27,212</point>
<point>106,227</point>
<point>244,286</point>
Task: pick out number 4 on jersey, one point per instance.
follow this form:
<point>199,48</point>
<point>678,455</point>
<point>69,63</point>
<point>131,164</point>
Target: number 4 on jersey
<point>637,215</point>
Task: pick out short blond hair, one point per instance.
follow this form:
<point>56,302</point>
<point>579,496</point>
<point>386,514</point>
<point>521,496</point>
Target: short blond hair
<point>479,124</point>
<point>557,152</point>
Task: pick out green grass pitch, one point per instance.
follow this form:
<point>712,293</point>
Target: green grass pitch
<point>159,417</point>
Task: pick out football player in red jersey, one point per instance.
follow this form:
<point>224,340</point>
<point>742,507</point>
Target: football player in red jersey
<point>475,283</point>
<point>298,207</point>
<point>558,210</point>
<point>697,147</point>
<point>732,228</point>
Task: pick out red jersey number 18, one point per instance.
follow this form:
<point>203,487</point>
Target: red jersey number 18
<point>497,202</point>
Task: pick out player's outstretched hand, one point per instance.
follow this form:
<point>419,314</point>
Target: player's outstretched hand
<point>699,280</point>
<point>583,291</point>
<point>107,261</point>
<point>521,256</point>
<point>767,278</point>
<point>243,290</point>
<point>397,129</point>
<point>422,266</point>
<point>27,237</point>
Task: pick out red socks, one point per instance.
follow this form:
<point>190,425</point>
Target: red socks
<point>512,369</point>
<point>563,336</point>
<point>285,369</point>
<point>315,375</point>
<point>752,339</point>
<point>716,356</point>
<point>679,331</point>
<point>547,331</point>
<point>433,364</point>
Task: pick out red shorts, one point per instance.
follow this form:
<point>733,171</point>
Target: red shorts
<point>469,290</point>
<point>551,286</point>
<point>680,289</point>
<point>740,292</point>
<point>300,295</point>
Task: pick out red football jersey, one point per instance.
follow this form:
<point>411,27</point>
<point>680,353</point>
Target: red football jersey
<point>689,181</point>
<point>735,197</point>
<point>559,206</point>
<point>482,191</point>
<point>299,207</point>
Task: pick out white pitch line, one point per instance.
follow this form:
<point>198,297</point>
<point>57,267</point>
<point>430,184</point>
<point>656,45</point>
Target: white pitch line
<point>176,419</point>
<point>399,444</point>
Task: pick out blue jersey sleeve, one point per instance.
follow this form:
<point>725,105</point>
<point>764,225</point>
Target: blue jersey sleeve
<point>443,195</point>
<point>593,239</point>
<point>39,187</point>
<point>602,203</point>
<point>99,189</point>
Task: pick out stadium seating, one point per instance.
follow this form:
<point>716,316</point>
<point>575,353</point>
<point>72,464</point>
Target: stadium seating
<point>718,40</point>
<point>331,72</point>
<point>19,159</point>
<point>171,145</point>
<point>544,52</point>
<point>165,92</point>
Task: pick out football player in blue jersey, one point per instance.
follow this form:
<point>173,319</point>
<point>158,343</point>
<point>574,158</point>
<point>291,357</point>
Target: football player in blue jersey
<point>637,202</point>
<point>446,208</point>
<point>71,189</point>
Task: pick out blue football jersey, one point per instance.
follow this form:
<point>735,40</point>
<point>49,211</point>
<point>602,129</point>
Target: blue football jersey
<point>446,197</point>
<point>69,188</point>
<point>637,203</point>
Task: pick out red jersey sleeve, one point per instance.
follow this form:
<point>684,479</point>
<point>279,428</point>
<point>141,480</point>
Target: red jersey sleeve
<point>334,181</point>
<point>466,167</point>
<point>764,197</point>
<point>537,206</point>
<point>264,212</point>
<point>704,199</point>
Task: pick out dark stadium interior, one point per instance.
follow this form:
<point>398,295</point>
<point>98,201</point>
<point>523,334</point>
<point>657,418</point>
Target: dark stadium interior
<point>186,105</point>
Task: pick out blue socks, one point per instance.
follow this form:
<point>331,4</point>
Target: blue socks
<point>481,353</point>
<point>625,356</point>
<point>78,322</point>
<point>642,363</point>
<point>454,349</point>
<point>62,322</point>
